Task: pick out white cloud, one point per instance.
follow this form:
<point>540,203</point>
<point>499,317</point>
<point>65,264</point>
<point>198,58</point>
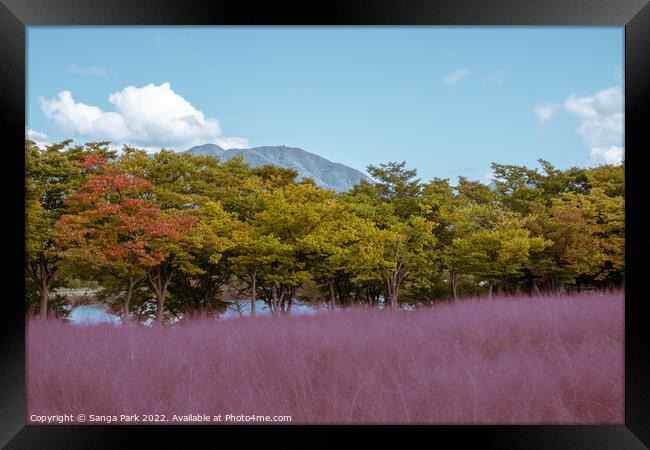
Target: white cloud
<point>39,138</point>
<point>611,155</point>
<point>607,101</point>
<point>546,111</point>
<point>455,77</point>
<point>33,134</point>
<point>150,116</point>
<point>601,121</point>
<point>84,120</point>
<point>582,107</point>
<point>602,130</point>
<point>93,71</point>
<point>232,142</point>
<point>610,99</point>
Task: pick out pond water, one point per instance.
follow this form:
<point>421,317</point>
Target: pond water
<point>96,313</point>
<point>87,314</point>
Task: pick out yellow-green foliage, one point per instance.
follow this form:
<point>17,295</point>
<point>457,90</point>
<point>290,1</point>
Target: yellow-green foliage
<point>385,239</point>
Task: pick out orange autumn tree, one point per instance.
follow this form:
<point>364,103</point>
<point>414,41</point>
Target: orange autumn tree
<point>113,226</point>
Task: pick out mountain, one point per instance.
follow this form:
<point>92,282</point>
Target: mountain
<point>326,174</point>
<point>206,150</point>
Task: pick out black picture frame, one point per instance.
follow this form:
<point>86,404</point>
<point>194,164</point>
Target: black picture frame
<point>634,15</point>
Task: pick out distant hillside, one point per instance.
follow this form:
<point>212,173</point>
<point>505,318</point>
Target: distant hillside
<point>206,150</point>
<point>326,174</point>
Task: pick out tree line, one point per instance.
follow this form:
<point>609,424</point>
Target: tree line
<point>170,235</point>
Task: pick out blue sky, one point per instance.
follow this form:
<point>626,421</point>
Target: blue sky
<point>448,100</point>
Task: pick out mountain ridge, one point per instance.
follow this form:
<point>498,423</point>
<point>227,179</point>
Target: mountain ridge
<point>327,174</point>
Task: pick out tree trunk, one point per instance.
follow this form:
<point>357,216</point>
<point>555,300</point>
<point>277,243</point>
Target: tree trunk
<point>274,291</point>
<point>454,294</point>
<point>159,279</point>
<point>253,291</point>
<point>43,277</point>
<point>388,297</point>
<point>127,299</point>
<point>282,302</point>
<point>44,295</point>
<point>393,297</point>
<point>394,291</point>
<point>160,304</point>
<point>332,295</point>
<point>394,280</point>
<point>489,290</point>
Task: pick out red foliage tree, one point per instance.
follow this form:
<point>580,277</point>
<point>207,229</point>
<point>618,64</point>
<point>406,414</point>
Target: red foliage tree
<point>113,225</point>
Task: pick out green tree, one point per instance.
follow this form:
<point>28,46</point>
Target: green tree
<point>196,288</point>
<point>51,175</point>
<point>494,255</point>
<point>328,251</point>
<point>573,246</point>
<point>609,178</point>
<point>489,242</point>
<point>394,184</point>
<point>522,189</point>
<point>474,191</point>
<point>291,217</point>
<point>588,235</point>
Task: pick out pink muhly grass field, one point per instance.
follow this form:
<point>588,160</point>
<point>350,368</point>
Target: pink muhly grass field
<point>500,361</point>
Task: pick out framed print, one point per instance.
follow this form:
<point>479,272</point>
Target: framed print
<point>416,218</point>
